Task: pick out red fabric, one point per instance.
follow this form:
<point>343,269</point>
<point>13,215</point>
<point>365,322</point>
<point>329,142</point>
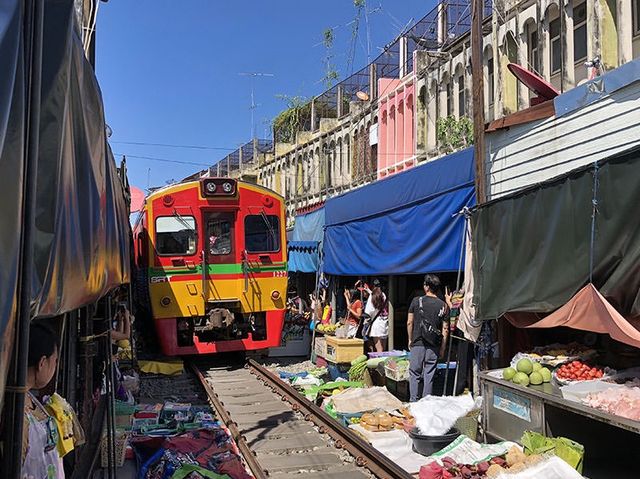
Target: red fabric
<point>587,310</point>
<point>357,304</point>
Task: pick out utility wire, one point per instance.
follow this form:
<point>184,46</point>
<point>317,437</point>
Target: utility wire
<point>165,160</point>
<point>167,145</point>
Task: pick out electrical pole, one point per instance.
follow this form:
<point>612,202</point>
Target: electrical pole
<point>478,98</point>
<point>253,106</point>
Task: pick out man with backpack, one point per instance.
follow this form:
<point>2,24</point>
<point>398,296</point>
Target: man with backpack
<point>427,329</point>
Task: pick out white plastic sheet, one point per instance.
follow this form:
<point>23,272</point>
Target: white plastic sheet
<point>396,445</point>
<point>435,415</point>
<point>551,468</point>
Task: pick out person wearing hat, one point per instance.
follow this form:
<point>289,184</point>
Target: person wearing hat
<point>427,329</point>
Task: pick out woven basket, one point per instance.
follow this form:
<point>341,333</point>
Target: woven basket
<point>122,438</point>
<point>468,425</point>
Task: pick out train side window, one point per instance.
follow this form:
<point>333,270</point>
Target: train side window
<point>219,232</point>
<point>175,235</point>
<point>261,233</point>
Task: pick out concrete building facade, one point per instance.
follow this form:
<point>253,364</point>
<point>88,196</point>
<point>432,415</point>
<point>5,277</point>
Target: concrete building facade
<point>398,121</point>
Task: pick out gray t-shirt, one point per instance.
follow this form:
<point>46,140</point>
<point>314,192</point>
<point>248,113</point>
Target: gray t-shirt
<point>435,312</point>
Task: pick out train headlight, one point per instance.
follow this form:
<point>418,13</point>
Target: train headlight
<point>210,187</point>
<point>275,295</point>
<point>165,301</point>
<point>227,187</point>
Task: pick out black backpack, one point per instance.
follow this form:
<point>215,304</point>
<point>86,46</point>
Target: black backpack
<point>430,333</point>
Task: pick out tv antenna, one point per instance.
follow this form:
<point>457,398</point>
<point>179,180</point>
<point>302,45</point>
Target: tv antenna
<point>253,106</point>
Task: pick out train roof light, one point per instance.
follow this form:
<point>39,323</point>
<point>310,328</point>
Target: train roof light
<point>218,187</point>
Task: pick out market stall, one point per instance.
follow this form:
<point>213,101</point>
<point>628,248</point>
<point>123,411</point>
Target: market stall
<point>577,272</point>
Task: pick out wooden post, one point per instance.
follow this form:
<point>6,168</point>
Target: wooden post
<point>391,300</point>
<point>478,98</point>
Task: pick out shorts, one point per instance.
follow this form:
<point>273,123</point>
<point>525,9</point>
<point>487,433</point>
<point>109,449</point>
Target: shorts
<point>380,327</point>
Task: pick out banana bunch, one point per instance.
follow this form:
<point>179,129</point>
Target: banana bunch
<point>327,328</point>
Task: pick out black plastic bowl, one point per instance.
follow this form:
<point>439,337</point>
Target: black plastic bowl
<point>427,445</point>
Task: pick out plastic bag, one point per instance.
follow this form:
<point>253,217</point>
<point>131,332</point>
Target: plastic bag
<point>435,415</point>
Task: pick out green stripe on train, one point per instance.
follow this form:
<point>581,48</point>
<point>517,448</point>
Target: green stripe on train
<point>215,269</point>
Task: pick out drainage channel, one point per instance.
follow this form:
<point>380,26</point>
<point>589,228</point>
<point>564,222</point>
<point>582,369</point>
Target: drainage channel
<point>281,434</point>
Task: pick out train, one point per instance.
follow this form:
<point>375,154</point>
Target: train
<point>211,261</point>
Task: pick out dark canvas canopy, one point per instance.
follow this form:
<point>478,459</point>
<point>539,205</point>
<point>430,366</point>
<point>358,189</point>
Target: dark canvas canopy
<point>81,247</point>
<point>531,250</point>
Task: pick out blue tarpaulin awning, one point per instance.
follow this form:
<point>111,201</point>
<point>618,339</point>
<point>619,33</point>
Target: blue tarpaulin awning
<point>306,242</point>
<point>303,256</point>
<point>404,224</point>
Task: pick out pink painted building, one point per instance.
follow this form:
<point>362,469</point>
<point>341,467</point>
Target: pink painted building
<point>396,130</point>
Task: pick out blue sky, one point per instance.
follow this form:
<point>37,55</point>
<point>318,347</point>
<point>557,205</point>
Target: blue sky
<point>169,69</point>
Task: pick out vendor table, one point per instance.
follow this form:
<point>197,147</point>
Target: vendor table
<point>510,409</point>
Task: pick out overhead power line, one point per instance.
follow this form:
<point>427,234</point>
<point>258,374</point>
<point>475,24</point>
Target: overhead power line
<point>167,145</point>
<point>165,160</point>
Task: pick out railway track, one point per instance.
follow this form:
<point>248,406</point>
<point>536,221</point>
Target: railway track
<point>283,435</point>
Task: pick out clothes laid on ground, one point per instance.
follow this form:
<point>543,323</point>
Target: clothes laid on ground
<point>208,448</point>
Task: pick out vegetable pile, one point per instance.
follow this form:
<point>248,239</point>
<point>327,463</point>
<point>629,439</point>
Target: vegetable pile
<point>358,367</point>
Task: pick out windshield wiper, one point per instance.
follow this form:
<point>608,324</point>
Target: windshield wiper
<point>183,221</point>
<point>269,226</point>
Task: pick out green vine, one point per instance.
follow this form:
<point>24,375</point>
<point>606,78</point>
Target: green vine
<point>291,120</point>
<point>454,134</point>
<point>331,74</point>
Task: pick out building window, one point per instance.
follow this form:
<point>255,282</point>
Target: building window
<point>556,47</point>
<point>490,80</point>
<point>636,17</point>
<point>580,32</point>
<point>449,98</point>
<point>261,233</point>
<point>461,111</point>
<point>176,235</point>
<point>533,49</point>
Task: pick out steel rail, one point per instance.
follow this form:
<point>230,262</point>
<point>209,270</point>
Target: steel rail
<point>248,455</point>
<point>365,455</point>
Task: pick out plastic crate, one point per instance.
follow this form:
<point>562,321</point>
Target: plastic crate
<point>343,350</point>
<point>399,389</point>
<point>395,374</point>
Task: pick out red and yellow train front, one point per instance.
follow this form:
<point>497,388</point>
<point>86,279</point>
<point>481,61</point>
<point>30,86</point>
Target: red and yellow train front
<point>217,266</point>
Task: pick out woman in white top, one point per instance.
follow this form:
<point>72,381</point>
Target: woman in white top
<point>376,308</point>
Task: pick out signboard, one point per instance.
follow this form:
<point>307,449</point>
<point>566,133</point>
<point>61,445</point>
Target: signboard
<point>373,134</point>
<point>512,403</point>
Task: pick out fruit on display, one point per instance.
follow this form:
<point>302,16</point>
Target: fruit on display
<point>508,373</point>
<point>535,378</point>
<point>521,378</point>
<point>578,371</point>
<point>527,372</point>
<point>329,329</point>
<point>525,366</point>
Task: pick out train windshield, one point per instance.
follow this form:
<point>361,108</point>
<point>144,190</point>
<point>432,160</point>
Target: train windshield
<point>261,233</point>
<point>219,231</point>
<point>176,235</point>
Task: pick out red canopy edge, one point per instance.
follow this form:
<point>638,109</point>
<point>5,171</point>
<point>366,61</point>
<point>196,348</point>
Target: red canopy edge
<point>587,310</point>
